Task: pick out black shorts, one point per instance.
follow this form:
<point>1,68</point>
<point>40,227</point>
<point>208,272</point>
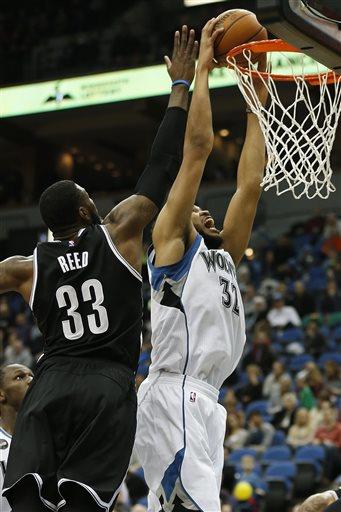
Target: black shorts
<point>76,426</point>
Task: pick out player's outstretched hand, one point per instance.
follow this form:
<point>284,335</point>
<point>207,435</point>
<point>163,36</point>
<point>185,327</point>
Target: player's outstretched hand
<point>182,64</point>
<point>208,35</point>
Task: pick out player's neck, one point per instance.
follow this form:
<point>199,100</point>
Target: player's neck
<point>69,233</point>
<point>7,420</point>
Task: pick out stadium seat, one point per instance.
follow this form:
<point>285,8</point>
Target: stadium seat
<point>298,362</point>
<point>281,471</point>
<point>258,405</point>
<point>309,462</point>
<point>330,356</point>
<point>279,438</point>
<point>290,335</point>
<point>236,455</point>
<point>276,454</point>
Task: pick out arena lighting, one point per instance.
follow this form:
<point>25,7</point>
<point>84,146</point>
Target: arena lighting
<point>224,132</point>
<point>249,253</point>
<point>192,3</point>
<point>112,87</point>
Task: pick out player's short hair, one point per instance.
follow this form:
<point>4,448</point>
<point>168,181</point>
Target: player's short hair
<point>2,375</point>
<point>59,204</point>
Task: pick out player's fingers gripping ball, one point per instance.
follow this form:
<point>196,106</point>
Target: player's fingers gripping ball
<point>243,491</point>
<point>240,26</point>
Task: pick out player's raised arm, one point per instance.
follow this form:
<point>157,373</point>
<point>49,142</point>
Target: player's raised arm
<point>173,230</point>
<point>16,274</point>
<point>133,214</point>
<point>242,208</point>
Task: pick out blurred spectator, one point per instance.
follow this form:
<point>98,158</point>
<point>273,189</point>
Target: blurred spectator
<point>303,301</point>
<point>23,327</point>
<point>329,432</point>
<point>249,474</point>
<point>261,352</point>
<point>253,388</point>
<point>332,372</point>
<point>302,431</point>
<point>314,378</point>
<point>314,341</point>
<point>272,386</point>
<point>281,316</point>
<point>235,434</point>
<point>16,353</point>
<point>284,418</point>
<point>231,403</point>
<point>331,299</point>
<point>257,311</point>
<point>260,433</point>
<point>305,394</point>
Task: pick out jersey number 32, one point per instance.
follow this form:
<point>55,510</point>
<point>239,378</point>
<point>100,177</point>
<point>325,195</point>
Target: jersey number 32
<point>97,325</point>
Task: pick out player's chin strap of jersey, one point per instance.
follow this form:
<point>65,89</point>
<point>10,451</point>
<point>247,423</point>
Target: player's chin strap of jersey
<point>165,158</point>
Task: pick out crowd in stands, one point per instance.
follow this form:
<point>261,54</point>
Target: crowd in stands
<point>47,40</point>
<point>283,401</point>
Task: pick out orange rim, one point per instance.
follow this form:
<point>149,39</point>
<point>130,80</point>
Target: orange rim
<point>277,45</point>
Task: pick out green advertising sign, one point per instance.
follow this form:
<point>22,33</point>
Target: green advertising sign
<point>112,87</point>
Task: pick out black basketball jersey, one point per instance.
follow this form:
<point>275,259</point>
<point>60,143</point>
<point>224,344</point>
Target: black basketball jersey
<point>87,298</point>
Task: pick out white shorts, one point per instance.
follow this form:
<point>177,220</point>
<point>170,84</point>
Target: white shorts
<point>179,442</point>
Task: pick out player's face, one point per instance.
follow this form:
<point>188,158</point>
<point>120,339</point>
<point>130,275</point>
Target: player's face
<point>91,213</point>
<point>16,380</point>
<point>204,224</point>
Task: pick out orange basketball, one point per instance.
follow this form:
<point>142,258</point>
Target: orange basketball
<point>240,26</point>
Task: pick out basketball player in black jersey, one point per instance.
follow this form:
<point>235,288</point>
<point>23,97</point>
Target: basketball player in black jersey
<point>75,432</point>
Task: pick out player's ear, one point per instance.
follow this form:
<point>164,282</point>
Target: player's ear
<point>2,396</point>
<point>84,214</point>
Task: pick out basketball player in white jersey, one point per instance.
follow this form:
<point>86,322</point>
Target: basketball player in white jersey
<point>14,382</point>
<point>197,317</point>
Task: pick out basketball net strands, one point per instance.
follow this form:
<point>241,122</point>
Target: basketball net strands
<point>298,151</point>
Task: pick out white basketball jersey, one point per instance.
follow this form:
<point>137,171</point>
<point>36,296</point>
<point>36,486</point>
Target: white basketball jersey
<point>5,443</point>
<point>197,315</point>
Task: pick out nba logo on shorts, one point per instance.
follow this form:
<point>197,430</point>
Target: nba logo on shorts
<point>192,396</point>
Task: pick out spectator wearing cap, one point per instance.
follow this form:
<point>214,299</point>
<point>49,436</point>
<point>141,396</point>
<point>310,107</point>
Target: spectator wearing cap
<point>260,432</point>
<point>281,316</point>
<point>302,431</point>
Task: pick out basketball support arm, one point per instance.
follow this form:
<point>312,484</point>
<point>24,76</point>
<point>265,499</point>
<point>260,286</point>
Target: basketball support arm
<point>166,153</point>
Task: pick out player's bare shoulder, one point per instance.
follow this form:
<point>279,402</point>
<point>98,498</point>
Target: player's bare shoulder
<point>16,274</point>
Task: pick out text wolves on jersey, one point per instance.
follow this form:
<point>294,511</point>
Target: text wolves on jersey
<point>73,261</point>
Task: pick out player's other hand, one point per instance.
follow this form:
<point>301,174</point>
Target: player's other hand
<point>206,53</point>
<point>182,64</point>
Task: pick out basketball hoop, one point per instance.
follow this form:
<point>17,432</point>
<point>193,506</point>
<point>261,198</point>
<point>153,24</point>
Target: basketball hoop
<point>299,136</point>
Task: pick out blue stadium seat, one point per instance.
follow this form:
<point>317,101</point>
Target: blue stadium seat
<point>290,335</point>
<point>281,471</point>
<point>298,362</point>
<point>258,405</point>
<point>337,333</point>
<point>236,456</point>
<point>330,356</point>
<point>279,438</point>
<point>311,451</point>
<point>276,454</point>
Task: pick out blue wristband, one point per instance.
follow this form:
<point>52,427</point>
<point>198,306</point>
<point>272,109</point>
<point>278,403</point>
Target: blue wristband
<point>181,82</point>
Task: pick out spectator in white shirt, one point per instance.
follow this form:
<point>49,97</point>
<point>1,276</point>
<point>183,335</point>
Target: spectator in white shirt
<point>272,386</point>
<point>281,316</point>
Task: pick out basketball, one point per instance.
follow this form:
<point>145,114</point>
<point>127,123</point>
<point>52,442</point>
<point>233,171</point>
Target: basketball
<point>243,491</point>
<point>240,26</point>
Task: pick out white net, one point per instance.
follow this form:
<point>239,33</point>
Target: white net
<point>299,134</point>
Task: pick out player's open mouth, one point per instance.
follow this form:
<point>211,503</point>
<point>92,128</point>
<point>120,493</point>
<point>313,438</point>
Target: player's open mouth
<point>209,222</point>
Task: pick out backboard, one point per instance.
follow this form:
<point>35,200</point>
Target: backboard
<point>313,26</point>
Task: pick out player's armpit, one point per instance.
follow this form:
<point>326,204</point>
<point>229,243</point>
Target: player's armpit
<point>132,215</point>
<point>16,274</point>
<point>239,220</point>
